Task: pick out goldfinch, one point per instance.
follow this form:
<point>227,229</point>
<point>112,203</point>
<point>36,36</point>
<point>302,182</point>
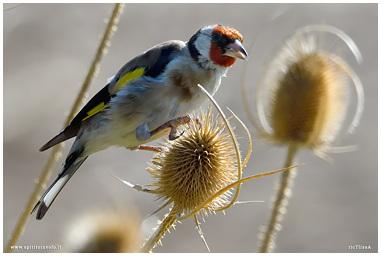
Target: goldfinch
<point>147,99</point>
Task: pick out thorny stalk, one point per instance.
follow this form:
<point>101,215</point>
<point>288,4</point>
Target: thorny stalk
<point>160,231</point>
<point>283,194</point>
<point>56,151</point>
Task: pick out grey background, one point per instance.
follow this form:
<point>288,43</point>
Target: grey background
<point>47,51</point>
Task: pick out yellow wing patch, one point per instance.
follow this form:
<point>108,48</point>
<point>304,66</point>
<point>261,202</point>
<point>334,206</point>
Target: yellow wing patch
<point>122,81</point>
<point>95,110</point>
<point>130,76</point>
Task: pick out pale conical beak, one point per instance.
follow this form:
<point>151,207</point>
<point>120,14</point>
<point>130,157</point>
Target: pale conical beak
<point>236,50</point>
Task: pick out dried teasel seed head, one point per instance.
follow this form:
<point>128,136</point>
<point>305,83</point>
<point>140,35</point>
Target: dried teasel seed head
<point>195,166</point>
<point>308,106</point>
<point>303,93</point>
<point>110,230</point>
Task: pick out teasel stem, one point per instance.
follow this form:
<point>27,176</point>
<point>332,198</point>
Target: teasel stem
<point>56,151</point>
<point>227,188</point>
<point>198,227</point>
<point>232,135</point>
<point>164,226</point>
<point>282,196</point>
<point>12,7</point>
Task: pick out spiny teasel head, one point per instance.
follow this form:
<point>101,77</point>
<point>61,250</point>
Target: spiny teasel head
<point>308,106</point>
<point>109,230</point>
<point>303,93</point>
<point>195,166</point>
<point>196,172</point>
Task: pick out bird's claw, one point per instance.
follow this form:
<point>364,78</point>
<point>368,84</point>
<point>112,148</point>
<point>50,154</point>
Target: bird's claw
<point>173,124</point>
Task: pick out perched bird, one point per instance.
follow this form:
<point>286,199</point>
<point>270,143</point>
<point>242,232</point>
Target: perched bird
<point>149,96</point>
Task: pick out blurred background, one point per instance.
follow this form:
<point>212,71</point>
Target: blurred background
<point>48,49</point>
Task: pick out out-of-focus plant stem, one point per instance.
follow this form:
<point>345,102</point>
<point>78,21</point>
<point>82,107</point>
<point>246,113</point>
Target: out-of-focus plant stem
<point>56,152</point>
<point>284,192</point>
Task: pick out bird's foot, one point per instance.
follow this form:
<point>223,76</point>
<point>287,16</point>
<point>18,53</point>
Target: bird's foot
<point>173,124</point>
<point>149,148</point>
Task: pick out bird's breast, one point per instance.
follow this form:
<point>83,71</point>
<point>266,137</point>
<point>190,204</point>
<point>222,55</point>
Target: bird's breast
<point>184,88</point>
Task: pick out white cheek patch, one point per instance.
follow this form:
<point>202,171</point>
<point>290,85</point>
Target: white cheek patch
<point>203,41</point>
<point>55,190</point>
<point>203,46</point>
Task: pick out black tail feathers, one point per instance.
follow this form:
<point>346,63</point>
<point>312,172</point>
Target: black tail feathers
<point>51,193</point>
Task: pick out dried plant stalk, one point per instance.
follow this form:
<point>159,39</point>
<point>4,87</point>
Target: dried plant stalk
<point>160,231</point>
<point>284,191</point>
<point>12,7</point>
<point>302,100</point>
<point>56,152</point>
